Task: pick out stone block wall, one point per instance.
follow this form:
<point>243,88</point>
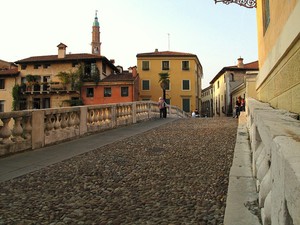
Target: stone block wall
<point>275,146</point>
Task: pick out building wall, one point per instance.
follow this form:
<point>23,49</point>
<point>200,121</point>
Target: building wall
<point>219,89</point>
<point>99,98</point>
<point>278,81</point>
<point>177,75</point>
<point>206,102</point>
<point>6,93</point>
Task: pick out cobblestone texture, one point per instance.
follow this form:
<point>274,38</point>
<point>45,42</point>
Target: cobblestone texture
<point>175,174</point>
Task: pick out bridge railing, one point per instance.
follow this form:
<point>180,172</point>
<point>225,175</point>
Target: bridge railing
<point>275,145</point>
<point>32,129</point>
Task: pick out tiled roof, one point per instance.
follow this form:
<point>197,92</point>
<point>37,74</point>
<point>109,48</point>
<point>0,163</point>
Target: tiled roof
<point>68,57</point>
<point>247,67</point>
<point>10,72</point>
<point>125,76</point>
<point>169,54</point>
<point>54,58</point>
<point>165,53</point>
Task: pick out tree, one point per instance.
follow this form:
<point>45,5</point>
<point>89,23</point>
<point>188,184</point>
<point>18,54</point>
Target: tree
<point>163,81</point>
<point>64,78</point>
<point>16,97</point>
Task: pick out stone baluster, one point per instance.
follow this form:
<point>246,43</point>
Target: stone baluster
<point>49,123</point>
<point>28,127</point>
<point>98,122</point>
<point>90,116</point>
<point>64,120</point>
<point>57,124</point>
<point>108,115</point>
<point>72,119</point>
<point>101,116</point>
<point>77,119</point>
<point>5,132</point>
<point>17,130</point>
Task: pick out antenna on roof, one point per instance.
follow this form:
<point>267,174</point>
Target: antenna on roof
<point>168,42</point>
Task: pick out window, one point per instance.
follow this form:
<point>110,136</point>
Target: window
<point>45,66</point>
<point>74,64</point>
<point>2,83</point>
<point>145,84</point>
<point>124,91</point>
<point>107,92</point>
<point>23,104</point>
<point>185,85</point>
<point>90,92</point>
<point>165,65</point>
<point>185,65</point>
<point>1,106</point>
<point>231,77</point>
<point>266,14</point>
<point>23,67</point>
<point>145,65</point>
<point>218,84</point>
<point>36,66</point>
<point>186,104</point>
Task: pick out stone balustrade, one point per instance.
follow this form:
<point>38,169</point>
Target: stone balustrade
<point>275,146</point>
<point>32,129</point>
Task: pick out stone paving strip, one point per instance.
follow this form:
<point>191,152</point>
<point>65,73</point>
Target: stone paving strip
<point>172,175</point>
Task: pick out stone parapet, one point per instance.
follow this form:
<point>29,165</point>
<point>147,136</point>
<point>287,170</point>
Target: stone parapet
<point>275,146</point>
<point>33,129</point>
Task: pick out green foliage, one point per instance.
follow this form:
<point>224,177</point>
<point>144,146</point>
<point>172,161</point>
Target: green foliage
<point>74,102</point>
<point>163,77</point>
<point>16,97</point>
<point>30,78</point>
<point>96,75</point>
<point>163,81</point>
<point>64,77</point>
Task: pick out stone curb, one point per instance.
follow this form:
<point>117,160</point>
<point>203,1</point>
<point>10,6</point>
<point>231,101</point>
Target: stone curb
<point>242,198</point>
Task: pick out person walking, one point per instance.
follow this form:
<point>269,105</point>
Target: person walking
<point>162,108</point>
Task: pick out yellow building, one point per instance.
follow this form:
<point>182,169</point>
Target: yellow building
<point>278,81</point>
<point>185,70</point>
<point>8,75</point>
<point>46,89</point>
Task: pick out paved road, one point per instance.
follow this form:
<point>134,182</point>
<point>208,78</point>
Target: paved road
<point>175,173</point>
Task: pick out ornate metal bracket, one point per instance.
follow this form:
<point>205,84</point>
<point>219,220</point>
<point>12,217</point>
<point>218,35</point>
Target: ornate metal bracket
<point>244,3</point>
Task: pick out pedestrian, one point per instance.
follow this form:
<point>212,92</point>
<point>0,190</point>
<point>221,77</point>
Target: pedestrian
<point>237,107</point>
<point>162,105</point>
<point>242,104</point>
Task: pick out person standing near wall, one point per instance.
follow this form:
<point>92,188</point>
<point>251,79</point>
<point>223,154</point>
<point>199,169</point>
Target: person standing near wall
<point>237,107</point>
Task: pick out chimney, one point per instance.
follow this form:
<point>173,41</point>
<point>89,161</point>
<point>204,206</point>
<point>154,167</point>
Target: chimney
<point>240,63</point>
<point>134,71</point>
<point>61,50</point>
<point>112,61</point>
<point>156,50</point>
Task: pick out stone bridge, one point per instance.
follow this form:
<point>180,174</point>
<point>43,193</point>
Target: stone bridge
<point>177,170</point>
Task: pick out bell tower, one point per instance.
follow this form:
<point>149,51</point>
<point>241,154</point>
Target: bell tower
<point>96,44</point>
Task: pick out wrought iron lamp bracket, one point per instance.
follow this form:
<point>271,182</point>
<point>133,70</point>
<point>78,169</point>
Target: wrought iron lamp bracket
<point>244,3</point>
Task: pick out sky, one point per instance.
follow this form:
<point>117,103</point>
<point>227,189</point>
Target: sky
<point>217,33</point>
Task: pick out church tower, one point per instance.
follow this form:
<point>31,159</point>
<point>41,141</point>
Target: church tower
<point>96,44</point>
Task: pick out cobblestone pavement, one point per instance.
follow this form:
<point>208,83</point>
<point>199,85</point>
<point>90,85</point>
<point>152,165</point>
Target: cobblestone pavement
<point>174,174</point>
